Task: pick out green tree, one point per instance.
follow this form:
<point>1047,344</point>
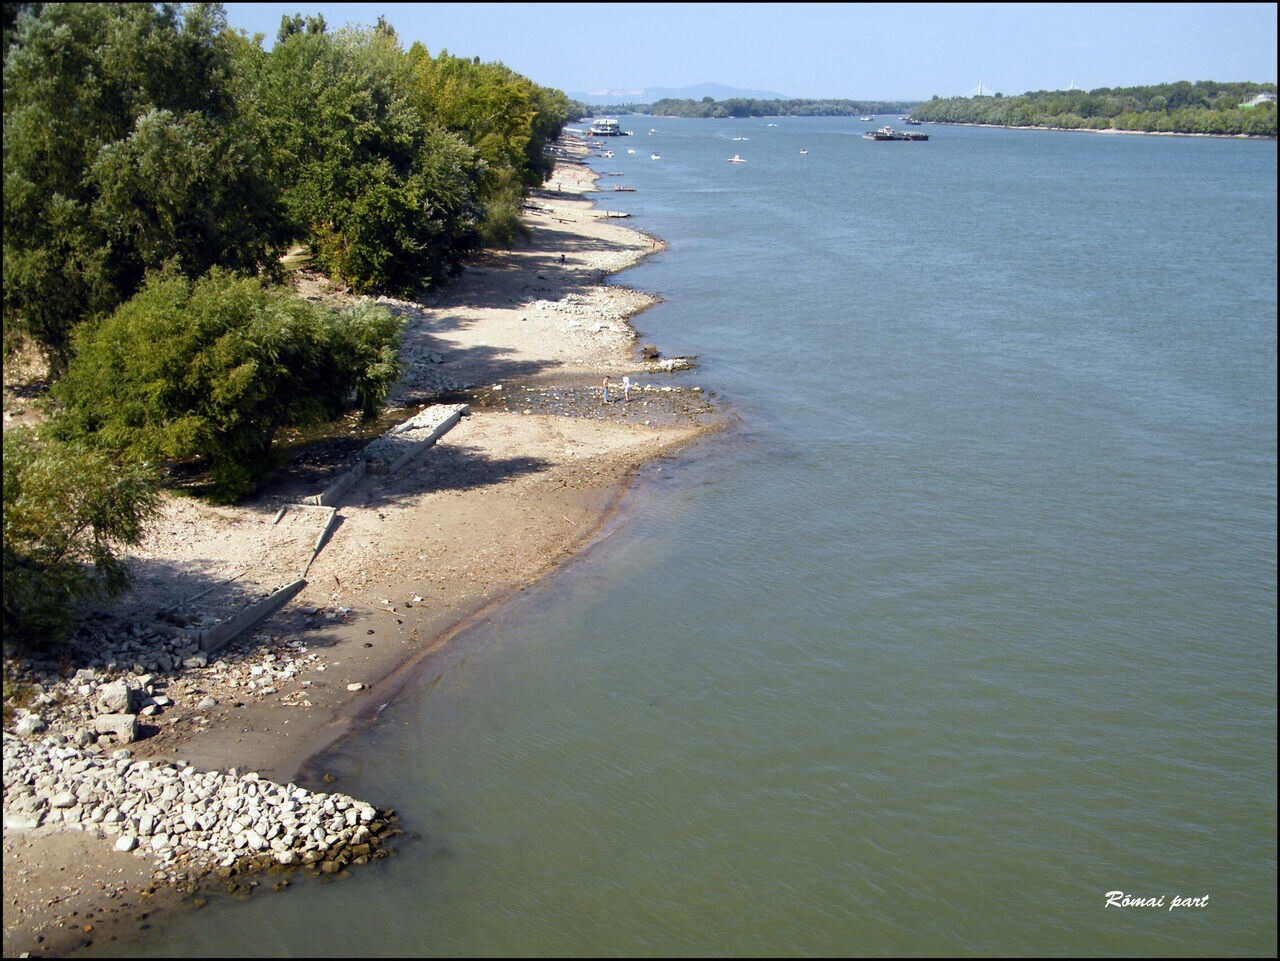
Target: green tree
<point>124,149</point>
<point>386,199</point>
<point>506,118</point>
<point>213,368</point>
<point>67,510</point>
<point>289,25</point>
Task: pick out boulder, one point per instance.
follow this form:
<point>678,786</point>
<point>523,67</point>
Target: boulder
<point>122,726</point>
<point>29,725</point>
<point>116,698</point>
<point>22,821</point>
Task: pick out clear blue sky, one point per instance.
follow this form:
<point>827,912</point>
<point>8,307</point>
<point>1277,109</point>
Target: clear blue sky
<point>856,51</point>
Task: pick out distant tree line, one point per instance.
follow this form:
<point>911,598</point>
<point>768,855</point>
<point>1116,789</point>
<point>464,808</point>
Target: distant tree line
<point>156,167</point>
<point>1205,107</point>
<point>746,107</point>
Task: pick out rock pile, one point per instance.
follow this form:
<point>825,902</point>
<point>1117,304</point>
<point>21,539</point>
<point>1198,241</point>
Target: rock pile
<point>125,686</point>
<point>183,819</point>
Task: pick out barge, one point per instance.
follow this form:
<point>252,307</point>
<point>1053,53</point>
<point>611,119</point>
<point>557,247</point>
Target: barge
<point>888,133</point>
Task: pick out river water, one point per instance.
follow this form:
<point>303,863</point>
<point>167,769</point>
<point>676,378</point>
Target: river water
<point>969,623</point>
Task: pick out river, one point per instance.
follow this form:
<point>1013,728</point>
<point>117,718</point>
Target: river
<point>970,624</point>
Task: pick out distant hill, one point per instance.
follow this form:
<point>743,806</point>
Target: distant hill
<point>717,91</point>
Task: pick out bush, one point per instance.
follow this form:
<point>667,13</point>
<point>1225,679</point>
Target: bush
<point>214,368</point>
<point>66,507</point>
<point>503,223</point>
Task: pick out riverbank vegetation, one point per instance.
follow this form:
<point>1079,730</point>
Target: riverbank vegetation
<point>157,166</point>
<point>1204,107</point>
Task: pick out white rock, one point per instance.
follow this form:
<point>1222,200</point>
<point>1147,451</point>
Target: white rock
<point>115,698</point>
<point>122,726</point>
<point>14,820</point>
<point>29,725</point>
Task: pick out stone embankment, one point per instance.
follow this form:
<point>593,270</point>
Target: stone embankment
<point>191,823</point>
<point>66,767</point>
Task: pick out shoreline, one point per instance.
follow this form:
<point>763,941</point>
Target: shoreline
<point>1107,130</point>
<point>481,518</point>
<point>313,768</point>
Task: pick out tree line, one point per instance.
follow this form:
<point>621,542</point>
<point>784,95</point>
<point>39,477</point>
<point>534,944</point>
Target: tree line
<point>1205,107</point>
<point>157,165</point>
<point>747,107</point>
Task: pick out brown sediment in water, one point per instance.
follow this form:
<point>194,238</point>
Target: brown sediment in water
<point>521,485</point>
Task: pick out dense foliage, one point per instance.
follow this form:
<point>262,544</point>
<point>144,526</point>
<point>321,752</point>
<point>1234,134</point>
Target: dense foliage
<point>385,198</point>
<point>125,148</point>
<point>66,509</point>
<point>742,107</point>
<point>1204,107</point>
<point>138,135</point>
<point>506,118</point>
<point>213,368</point>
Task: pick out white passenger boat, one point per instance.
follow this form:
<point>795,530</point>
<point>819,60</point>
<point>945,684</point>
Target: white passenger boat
<point>606,127</point>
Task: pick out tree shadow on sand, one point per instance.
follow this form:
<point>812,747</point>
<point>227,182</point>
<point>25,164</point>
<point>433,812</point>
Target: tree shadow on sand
<point>501,280</point>
<point>440,469</point>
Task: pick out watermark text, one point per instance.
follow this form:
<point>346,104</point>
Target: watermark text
<point>1118,899</point>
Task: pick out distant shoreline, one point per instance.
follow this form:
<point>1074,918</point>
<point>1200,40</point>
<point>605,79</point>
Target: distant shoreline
<point>998,126</point>
<point>1112,130</point>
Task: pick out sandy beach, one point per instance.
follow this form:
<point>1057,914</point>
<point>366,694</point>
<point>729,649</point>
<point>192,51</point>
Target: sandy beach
<point>524,481</point>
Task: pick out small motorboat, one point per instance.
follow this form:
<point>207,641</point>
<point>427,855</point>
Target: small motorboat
<point>802,150</point>
<point>655,156</point>
<point>735,159</point>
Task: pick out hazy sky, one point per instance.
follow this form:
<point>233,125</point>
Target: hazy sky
<point>850,50</point>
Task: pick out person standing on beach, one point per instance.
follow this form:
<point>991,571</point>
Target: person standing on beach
<point>626,388</point>
<point>606,390</point>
